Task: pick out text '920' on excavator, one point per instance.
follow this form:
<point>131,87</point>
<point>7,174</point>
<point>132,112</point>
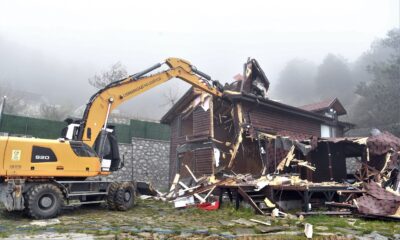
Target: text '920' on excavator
<point>41,176</point>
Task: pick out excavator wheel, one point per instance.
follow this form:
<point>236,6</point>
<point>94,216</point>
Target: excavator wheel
<point>43,201</point>
<point>125,196</point>
<point>111,195</point>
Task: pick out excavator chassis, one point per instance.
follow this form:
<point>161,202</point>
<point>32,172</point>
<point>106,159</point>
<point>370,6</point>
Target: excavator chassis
<point>45,198</point>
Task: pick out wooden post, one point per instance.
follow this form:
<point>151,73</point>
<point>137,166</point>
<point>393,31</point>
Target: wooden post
<point>329,161</point>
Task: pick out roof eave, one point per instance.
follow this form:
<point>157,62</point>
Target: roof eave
<point>281,107</point>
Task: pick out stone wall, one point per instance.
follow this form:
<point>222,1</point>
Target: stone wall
<point>145,160</point>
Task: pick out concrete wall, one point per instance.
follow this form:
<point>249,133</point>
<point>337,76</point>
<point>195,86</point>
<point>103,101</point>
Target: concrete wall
<point>145,160</point>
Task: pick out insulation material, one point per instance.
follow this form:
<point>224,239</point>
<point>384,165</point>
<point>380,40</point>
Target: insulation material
<point>206,103</point>
<point>305,164</point>
<point>268,203</point>
<point>217,155</point>
<point>183,202</point>
<point>286,160</point>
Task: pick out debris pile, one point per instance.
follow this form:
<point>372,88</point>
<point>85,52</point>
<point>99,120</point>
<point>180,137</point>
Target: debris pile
<point>374,192</point>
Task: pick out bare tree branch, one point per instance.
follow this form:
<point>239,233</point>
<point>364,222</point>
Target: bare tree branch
<point>170,96</point>
<point>116,72</point>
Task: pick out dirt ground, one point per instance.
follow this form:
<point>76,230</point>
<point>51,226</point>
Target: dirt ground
<point>151,219</point>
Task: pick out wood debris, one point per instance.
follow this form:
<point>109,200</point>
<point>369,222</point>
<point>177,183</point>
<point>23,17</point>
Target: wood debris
<point>261,222</point>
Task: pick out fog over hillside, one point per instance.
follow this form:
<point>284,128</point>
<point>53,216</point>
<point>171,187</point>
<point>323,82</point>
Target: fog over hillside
<point>52,48</point>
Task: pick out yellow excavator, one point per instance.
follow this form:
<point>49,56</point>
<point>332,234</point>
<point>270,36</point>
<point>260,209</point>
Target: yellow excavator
<point>41,176</point>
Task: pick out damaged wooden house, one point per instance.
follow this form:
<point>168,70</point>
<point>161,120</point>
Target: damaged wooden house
<point>238,132</point>
<point>272,154</point>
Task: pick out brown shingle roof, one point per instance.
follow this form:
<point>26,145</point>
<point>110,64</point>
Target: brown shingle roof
<point>325,104</point>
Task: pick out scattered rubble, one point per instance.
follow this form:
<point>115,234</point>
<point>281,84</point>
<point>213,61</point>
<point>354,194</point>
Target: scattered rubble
<point>265,193</point>
<point>55,236</point>
<point>160,220</point>
<point>308,230</point>
<point>43,223</point>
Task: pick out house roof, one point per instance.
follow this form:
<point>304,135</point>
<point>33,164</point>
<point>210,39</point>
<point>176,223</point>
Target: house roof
<point>285,108</point>
<point>189,96</point>
<point>326,105</point>
<point>253,88</point>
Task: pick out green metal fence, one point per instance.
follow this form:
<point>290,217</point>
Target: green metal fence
<point>43,128</point>
<point>149,130</point>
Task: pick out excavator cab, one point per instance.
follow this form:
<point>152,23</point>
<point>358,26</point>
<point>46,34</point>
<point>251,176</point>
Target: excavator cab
<point>70,132</point>
<point>106,144</point>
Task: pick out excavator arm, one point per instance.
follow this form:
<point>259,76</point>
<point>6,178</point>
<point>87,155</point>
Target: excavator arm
<point>110,97</point>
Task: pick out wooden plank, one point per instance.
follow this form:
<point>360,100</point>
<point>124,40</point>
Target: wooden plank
<point>261,222</point>
<point>208,194</point>
<point>249,200</point>
<point>325,213</point>
<point>191,173</point>
<point>239,132</point>
<point>341,205</point>
<point>173,185</point>
<point>202,200</point>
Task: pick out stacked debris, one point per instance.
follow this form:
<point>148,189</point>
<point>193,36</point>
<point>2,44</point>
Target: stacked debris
<point>375,193</point>
<point>209,192</point>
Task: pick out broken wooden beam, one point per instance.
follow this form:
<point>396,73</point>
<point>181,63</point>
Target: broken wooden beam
<point>340,205</point>
<point>208,194</point>
<point>249,200</point>
<point>261,222</point>
<point>238,116</point>
<point>191,173</point>
<point>325,213</point>
<point>195,194</point>
<point>173,186</point>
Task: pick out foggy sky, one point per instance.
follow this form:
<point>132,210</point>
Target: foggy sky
<point>53,47</point>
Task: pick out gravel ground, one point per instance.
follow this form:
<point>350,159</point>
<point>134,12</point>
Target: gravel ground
<point>151,219</point>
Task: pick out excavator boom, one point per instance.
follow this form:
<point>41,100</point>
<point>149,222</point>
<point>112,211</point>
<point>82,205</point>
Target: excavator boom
<point>104,101</point>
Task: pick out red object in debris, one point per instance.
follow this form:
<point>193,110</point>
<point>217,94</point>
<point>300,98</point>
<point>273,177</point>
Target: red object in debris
<point>209,206</point>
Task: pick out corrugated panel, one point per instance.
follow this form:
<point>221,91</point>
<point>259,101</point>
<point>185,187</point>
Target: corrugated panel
<point>201,121</point>
<point>186,159</point>
<point>203,161</point>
